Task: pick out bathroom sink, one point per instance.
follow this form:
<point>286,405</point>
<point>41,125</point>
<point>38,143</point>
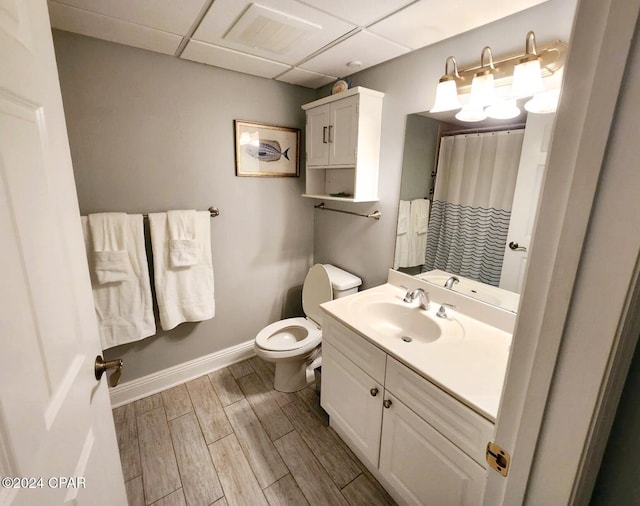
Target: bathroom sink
<point>400,320</point>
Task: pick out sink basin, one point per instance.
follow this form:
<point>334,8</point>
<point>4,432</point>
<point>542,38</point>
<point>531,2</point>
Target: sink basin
<point>399,320</point>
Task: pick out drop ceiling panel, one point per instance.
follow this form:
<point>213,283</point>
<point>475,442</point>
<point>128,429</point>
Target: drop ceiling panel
<point>359,12</point>
<point>428,21</point>
<point>88,23</point>
<point>281,30</point>
<point>232,60</point>
<point>305,78</point>
<point>174,16</point>
<point>365,47</point>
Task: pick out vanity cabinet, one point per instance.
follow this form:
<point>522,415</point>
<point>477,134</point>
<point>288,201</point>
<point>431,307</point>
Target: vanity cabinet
<point>342,145</point>
<point>424,444</point>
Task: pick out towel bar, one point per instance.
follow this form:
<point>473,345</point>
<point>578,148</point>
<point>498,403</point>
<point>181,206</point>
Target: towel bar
<point>214,211</point>
<point>376,215</point>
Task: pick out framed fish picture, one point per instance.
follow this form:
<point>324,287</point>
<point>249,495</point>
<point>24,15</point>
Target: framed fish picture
<point>266,150</point>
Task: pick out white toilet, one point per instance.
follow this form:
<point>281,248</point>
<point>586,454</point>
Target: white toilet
<point>294,344</point>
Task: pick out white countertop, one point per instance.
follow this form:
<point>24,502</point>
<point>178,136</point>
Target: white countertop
<point>470,365</point>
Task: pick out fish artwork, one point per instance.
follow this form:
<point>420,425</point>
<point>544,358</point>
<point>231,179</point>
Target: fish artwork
<point>267,151</point>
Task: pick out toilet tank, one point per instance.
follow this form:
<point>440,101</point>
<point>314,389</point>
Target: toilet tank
<point>343,283</point>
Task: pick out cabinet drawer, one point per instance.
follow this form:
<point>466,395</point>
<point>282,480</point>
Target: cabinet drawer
<point>466,429</point>
<point>360,351</point>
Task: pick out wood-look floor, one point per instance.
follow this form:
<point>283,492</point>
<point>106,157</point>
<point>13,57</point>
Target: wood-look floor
<point>229,439</point>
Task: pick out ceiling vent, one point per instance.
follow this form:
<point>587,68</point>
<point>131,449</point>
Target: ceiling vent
<point>262,28</point>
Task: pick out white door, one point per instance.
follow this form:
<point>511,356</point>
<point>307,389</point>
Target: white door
<point>343,133</point>
<point>535,146</point>
<point>317,136</point>
<point>423,466</point>
<point>353,400</point>
<point>56,426</point>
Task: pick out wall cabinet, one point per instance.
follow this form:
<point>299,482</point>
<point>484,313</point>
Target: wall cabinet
<point>426,447</point>
<point>342,146</point>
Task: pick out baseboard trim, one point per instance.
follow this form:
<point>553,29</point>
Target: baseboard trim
<point>172,376</point>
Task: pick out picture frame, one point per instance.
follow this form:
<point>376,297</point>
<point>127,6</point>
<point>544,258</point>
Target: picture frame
<point>264,150</point>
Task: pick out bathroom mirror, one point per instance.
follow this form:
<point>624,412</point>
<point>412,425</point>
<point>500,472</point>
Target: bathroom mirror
<point>466,232</point>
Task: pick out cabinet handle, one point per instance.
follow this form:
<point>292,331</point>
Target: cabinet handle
<point>330,132</point>
<point>387,403</point>
<point>373,392</point>
<point>324,135</point>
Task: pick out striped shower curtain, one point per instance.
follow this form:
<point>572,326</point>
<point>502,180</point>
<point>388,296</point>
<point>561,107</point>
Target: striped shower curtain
<point>472,204</point>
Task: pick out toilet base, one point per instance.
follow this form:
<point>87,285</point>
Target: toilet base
<point>290,375</point>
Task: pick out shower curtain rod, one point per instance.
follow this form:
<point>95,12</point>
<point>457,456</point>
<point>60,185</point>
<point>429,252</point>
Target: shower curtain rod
<point>376,215</point>
<point>214,211</point>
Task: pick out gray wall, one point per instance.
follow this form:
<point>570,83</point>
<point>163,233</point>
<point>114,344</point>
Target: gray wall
<point>364,246</point>
<point>150,132</point>
<point>419,157</point>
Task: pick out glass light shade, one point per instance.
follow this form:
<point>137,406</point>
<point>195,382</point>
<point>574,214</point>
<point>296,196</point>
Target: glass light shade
<point>503,109</point>
<point>446,97</point>
<point>527,79</point>
<point>471,113</point>
<point>543,103</point>
<point>483,90</point>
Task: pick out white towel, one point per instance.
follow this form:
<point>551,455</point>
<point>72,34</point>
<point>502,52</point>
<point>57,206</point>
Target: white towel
<point>183,294</point>
<point>402,235</point>
<point>419,223</point>
<point>124,310</point>
<point>110,256</point>
<point>183,248</point>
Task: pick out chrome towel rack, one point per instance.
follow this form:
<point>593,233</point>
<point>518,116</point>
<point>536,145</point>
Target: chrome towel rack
<point>214,211</point>
<point>376,215</point>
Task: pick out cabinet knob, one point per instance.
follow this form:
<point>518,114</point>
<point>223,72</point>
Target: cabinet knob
<point>387,403</point>
<point>373,392</point>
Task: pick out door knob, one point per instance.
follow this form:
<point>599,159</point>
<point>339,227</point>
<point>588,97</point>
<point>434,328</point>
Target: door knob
<point>101,366</point>
<point>514,246</point>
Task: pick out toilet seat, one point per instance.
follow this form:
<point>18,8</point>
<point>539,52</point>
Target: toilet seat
<point>290,335</point>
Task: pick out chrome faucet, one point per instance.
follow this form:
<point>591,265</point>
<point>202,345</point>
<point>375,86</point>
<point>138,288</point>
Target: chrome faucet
<point>450,282</point>
<point>419,294</point>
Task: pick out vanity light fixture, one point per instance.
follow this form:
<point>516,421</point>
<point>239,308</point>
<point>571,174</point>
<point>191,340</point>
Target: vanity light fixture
<point>483,91</point>
<point>527,80</point>
<point>503,109</point>
<point>543,103</point>
<point>522,72</point>
<point>447,90</point>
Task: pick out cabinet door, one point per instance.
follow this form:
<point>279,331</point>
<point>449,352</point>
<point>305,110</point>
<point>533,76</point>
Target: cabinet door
<point>423,466</point>
<point>343,134</point>
<point>347,396</point>
<point>317,136</point>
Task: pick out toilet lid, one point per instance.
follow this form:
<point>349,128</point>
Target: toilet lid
<point>315,291</point>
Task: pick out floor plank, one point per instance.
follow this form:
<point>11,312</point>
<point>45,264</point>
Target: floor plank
<point>241,369</point>
<point>159,467</point>
<point>226,386</point>
<point>263,457</point>
<point>240,485</point>
<point>148,403</point>
<point>275,423</point>
<point>124,418</point>
<point>176,402</point>
<point>285,492</point>
<point>311,477</point>
<point>330,453</point>
<point>267,375</point>
<point>367,492</point>
<point>208,409</point>
<point>174,499</point>
<point>221,502</point>
<point>312,399</point>
<point>135,492</point>
<point>200,482</point>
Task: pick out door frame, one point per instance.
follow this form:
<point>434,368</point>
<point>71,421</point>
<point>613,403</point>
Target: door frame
<point>532,425</point>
